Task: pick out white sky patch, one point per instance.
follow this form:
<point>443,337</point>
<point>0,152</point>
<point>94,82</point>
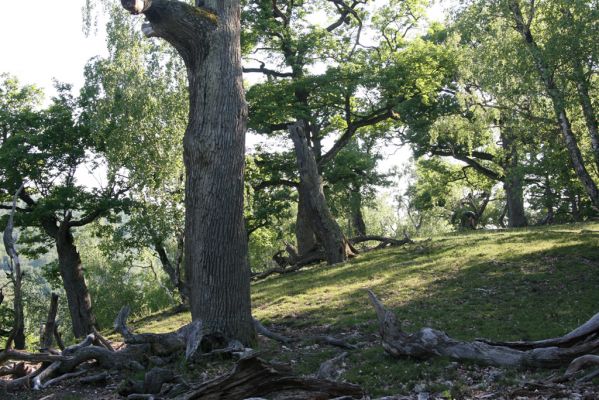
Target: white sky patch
<point>45,42</point>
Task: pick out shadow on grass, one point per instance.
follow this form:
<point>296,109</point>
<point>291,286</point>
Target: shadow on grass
<point>524,284</point>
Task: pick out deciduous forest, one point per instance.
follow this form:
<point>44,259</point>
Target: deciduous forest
<point>307,199</point>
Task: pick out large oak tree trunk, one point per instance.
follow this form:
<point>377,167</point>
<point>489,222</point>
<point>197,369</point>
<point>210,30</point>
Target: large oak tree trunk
<point>71,271</point>
<point>304,234</point>
<point>325,227</point>
<point>217,271</point>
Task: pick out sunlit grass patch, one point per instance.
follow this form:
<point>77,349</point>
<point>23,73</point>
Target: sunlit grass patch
<point>529,283</point>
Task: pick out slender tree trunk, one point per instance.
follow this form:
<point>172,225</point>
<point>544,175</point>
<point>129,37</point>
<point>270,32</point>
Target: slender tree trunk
<point>217,270</point>
<point>512,183</point>
<point>173,272</point>
<point>558,103</point>
<point>549,204</point>
<point>590,116</point>
<point>304,234</point>
<point>357,218</point>
<point>325,227</point>
<point>78,298</point>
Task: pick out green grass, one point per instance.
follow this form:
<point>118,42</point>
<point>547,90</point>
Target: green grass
<point>518,284</point>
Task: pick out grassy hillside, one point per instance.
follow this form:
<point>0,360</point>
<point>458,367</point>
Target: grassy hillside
<point>518,284</point>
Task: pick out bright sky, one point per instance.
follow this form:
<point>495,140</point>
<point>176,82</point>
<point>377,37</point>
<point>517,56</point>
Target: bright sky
<point>45,40</point>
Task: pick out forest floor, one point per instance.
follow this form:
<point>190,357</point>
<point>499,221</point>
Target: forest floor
<point>526,284</point>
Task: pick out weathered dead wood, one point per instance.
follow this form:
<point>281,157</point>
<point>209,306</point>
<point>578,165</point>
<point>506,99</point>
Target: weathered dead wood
<point>189,338</point>
<point>428,343</point>
<point>333,341</point>
<point>581,363</point>
<point>331,369</point>
<point>152,383</point>
<point>262,330</point>
<point>253,377</point>
<point>17,370</point>
<point>326,339</point>
<point>585,332</point>
<point>277,270</point>
<point>289,265</point>
<point>17,334</point>
<point>50,325</point>
<point>16,355</point>
<point>162,344</point>
<point>384,241</point>
<point>63,377</point>
<point>95,379</point>
<point>102,340</point>
<point>58,338</point>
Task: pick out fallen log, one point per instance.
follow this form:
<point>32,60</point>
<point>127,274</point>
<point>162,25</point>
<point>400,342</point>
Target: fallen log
<point>254,377</point>
<point>384,241</point>
<point>16,355</point>
<point>428,343</point>
<point>326,339</point>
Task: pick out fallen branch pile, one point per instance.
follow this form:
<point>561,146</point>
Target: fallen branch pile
<point>95,358</point>
<point>574,348</point>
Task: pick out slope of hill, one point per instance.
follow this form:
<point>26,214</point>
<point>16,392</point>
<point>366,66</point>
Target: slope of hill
<point>516,284</point>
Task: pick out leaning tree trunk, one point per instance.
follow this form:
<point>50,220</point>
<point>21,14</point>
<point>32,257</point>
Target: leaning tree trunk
<point>304,234</point>
<point>71,271</point>
<point>512,184</point>
<point>217,271</point>
<point>325,227</point>
<point>557,100</point>
<point>590,116</point>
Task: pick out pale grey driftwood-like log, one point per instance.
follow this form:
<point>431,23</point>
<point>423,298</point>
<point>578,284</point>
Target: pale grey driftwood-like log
<point>428,343</point>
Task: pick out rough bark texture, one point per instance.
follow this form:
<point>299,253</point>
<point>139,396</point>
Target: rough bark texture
<point>557,100</point>
<point>428,343</point>
<point>71,271</point>
<point>512,184</point>
<point>208,40</point>
<point>324,225</point>
<point>304,234</point>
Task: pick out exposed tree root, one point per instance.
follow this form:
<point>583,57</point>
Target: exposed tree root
<point>429,343</point>
<point>251,376</point>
